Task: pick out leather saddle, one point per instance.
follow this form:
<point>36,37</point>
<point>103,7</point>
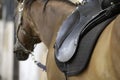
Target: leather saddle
<point>79,33</point>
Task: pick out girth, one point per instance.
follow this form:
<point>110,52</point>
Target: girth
<point>78,35</point>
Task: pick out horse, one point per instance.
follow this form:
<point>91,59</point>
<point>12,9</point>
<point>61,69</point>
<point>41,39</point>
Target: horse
<point>41,20</point>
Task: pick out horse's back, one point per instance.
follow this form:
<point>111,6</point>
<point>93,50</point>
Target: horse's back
<point>101,66</point>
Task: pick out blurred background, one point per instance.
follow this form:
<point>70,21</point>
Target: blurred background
<point>10,67</point>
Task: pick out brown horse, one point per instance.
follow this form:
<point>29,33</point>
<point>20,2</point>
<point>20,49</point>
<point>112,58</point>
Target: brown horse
<point>41,22</point>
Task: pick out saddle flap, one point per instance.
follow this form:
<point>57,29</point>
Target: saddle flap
<point>73,53</point>
<point>67,27</point>
<point>67,50</point>
<point>67,38</point>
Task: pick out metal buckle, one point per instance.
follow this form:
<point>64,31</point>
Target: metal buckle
<point>21,6</point>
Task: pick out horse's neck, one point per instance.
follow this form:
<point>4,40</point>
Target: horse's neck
<point>51,19</point>
<point>106,55</point>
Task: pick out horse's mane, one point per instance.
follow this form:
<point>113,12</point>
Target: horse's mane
<point>29,2</point>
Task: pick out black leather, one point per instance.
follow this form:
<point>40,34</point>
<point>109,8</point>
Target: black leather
<point>79,62</point>
<point>84,32</point>
<point>83,14</point>
<point>108,3</point>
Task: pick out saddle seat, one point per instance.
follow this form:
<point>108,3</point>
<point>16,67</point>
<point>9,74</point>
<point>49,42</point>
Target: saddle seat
<point>79,33</point>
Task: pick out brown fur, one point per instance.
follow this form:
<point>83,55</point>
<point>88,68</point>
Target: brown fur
<point>104,64</point>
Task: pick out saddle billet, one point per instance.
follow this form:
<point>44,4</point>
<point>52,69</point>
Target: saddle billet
<point>84,43</point>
